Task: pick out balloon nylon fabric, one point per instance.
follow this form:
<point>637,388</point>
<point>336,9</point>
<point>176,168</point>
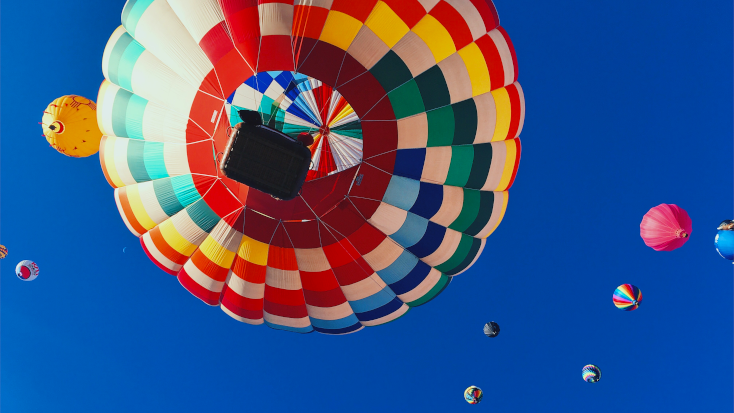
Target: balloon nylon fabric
<point>665,227</point>
<point>591,373</point>
<point>27,270</point>
<point>70,126</point>
<point>724,242</point>
<point>627,297</point>
<point>473,395</point>
<point>433,85</point>
<point>302,104</point>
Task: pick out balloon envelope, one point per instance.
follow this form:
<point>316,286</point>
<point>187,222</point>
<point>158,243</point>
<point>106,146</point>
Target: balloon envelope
<point>473,395</point>
<point>26,270</point>
<point>3,251</point>
<point>724,242</point>
<point>591,373</point>
<point>491,329</point>
<point>416,150</point>
<point>70,126</point>
<point>665,227</point>
<point>627,297</point>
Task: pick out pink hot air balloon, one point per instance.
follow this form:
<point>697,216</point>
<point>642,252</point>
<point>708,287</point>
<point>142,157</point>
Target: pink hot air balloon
<point>665,227</point>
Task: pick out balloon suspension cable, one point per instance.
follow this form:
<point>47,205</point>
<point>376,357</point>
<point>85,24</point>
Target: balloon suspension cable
<point>297,50</point>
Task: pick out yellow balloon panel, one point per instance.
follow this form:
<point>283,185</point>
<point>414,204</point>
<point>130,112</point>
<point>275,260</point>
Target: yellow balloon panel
<point>70,126</point>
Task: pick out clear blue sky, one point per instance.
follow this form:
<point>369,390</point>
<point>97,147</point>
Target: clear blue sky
<point>629,105</point>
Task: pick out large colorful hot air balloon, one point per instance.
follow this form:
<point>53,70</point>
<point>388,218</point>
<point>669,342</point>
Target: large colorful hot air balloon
<point>70,126</point>
<point>665,227</point>
<point>26,270</point>
<point>416,114</point>
<point>627,297</point>
<point>591,373</point>
<point>473,395</point>
<point>3,251</point>
<point>724,240</point>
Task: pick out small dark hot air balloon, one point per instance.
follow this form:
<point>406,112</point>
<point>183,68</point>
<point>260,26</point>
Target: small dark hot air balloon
<point>665,227</point>
<point>491,329</point>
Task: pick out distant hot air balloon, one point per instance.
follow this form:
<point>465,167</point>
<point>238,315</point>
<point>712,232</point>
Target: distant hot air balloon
<point>627,297</point>
<point>591,373</point>
<point>26,270</point>
<point>491,329</point>
<point>3,251</point>
<point>665,227</point>
<point>70,126</point>
<point>473,395</point>
<point>725,240</point>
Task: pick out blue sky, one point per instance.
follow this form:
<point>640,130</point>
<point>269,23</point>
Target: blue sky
<point>629,105</point>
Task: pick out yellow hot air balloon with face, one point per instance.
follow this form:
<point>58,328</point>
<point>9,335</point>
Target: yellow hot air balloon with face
<point>70,126</point>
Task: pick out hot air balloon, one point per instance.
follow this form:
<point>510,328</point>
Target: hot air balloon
<point>491,329</point>
<point>724,240</point>
<point>416,114</point>
<point>26,270</point>
<point>473,395</point>
<point>591,373</point>
<point>70,126</point>
<point>3,251</point>
<point>627,297</point>
<point>665,227</point>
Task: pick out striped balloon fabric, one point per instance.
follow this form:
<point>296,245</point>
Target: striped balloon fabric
<point>3,251</point>
<point>627,297</point>
<point>665,227</point>
<point>473,395</point>
<point>299,104</point>
<point>591,373</point>
<point>415,111</point>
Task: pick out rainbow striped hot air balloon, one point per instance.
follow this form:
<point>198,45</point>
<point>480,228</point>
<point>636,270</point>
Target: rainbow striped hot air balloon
<point>416,114</point>
<point>473,395</point>
<point>591,373</point>
<point>627,297</point>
